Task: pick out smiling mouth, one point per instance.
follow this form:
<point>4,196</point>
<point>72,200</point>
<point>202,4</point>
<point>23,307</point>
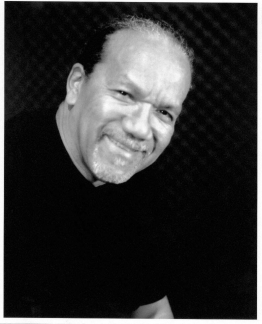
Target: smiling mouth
<point>126,143</point>
<point>126,146</point>
<point>122,153</point>
<point>124,150</point>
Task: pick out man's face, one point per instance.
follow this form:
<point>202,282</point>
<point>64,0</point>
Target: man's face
<point>125,112</point>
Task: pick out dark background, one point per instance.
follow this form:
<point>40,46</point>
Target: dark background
<point>210,167</point>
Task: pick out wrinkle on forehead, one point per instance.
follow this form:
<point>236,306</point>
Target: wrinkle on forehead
<point>156,66</point>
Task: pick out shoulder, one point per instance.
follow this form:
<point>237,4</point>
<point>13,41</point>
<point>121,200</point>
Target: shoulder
<point>26,132</point>
<point>27,142</point>
<point>25,124</point>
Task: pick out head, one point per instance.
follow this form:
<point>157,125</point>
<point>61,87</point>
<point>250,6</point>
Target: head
<point>122,103</point>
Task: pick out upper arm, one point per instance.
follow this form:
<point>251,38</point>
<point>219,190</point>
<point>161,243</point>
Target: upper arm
<point>158,309</point>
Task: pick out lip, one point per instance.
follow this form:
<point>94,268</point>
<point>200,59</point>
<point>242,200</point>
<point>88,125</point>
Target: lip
<point>127,145</point>
<point>121,155</point>
<point>124,151</point>
<point>121,145</point>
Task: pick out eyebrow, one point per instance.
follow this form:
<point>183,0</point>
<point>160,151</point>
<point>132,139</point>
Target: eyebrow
<point>125,80</point>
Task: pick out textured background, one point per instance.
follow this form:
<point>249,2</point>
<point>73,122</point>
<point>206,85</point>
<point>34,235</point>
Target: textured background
<point>210,168</point>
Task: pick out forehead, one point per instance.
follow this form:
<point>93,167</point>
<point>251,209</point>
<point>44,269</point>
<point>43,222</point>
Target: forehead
<point>152,62</point>
<point>135,48</point>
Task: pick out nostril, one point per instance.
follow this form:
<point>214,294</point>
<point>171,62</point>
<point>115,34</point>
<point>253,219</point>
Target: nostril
<point>137,127</point>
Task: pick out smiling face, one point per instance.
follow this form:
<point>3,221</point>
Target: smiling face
<point>123,114</point>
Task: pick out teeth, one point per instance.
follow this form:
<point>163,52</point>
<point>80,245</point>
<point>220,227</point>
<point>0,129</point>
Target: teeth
<point>119,162</point>
<point>119,145</point>
<point>129,145</point>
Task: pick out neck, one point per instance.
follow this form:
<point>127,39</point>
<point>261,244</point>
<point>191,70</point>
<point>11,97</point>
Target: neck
<point>67,136</point>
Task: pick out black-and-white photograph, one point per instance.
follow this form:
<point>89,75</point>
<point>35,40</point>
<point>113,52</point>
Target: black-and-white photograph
<point>130,160</point>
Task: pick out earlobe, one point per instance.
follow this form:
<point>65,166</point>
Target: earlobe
<point>74,83</point>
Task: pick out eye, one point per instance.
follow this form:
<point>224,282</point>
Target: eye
<point>123,93</point>
<point>124,96</point>
<point>165,115</point>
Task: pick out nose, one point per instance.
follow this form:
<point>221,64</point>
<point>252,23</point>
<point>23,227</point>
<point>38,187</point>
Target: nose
<point>137,122</point>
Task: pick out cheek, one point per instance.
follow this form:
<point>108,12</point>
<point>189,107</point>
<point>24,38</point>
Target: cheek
<point>163,134</point>
<point>163,142</point>
<point>95,115</point>
<point>91,114</point>
<point>100,109</point>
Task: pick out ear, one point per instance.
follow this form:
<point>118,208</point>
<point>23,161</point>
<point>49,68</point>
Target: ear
<point>74,83</point>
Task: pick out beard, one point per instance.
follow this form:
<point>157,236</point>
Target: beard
<point>113,172</point>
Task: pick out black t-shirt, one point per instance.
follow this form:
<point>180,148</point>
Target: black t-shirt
<point>72,249</point>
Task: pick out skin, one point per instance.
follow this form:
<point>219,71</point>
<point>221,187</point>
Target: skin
<point>160,309</point>
<point>120,119</point>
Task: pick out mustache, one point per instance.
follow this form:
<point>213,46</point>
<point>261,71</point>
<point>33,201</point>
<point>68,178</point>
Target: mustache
<point>127,142</point>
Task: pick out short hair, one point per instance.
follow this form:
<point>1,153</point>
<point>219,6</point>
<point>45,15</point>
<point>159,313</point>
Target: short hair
<point>94,47</point>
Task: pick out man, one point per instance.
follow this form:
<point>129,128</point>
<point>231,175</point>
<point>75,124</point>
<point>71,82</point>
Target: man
<point>76,248</point>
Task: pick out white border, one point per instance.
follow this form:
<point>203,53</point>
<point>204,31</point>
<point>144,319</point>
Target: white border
<point>96,321</point>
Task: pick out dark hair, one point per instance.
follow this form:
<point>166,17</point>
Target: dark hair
<point>93,48</point>
<point>95,44</point>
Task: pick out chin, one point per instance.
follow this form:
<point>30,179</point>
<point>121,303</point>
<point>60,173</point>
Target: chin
<point>112,174</point>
